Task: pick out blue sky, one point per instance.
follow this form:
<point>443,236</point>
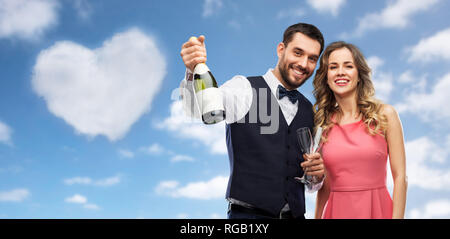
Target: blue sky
<point>90,122</point>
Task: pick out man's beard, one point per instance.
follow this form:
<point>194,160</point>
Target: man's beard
<point>283,69</point>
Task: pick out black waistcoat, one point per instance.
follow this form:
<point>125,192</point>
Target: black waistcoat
<point>263,165</point>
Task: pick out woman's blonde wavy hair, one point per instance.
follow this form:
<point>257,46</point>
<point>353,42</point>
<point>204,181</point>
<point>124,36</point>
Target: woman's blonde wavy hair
<point>326,105</point>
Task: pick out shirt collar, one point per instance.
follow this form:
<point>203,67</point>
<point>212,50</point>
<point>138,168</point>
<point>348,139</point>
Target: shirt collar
<point>272,81</point>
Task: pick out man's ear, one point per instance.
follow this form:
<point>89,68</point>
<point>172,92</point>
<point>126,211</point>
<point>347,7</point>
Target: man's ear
<point>280,49</point>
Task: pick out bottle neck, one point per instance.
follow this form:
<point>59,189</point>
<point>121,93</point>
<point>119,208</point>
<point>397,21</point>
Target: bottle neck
<point>201,68</point>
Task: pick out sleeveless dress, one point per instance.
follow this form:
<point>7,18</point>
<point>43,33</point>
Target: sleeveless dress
<point>356,169</point>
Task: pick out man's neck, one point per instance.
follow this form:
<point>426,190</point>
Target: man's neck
<point>277,75</point>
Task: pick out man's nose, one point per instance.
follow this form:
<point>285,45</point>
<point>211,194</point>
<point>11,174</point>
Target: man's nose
<point>303,61</point>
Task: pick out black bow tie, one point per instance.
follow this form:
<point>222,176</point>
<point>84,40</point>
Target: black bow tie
<point>292,94</point>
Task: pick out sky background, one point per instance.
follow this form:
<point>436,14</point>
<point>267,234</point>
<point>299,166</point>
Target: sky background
<point>91,125</point>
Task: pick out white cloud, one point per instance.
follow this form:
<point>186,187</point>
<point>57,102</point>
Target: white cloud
<point>436,209</point>
<point>13,169</point>
<point>419,80</point>
<point>16,195</point>
<point>179,158</point>
<point>212,136</point>
<point>80,199</point>
<point>210,7</point>
<point>375,63</point>
<point>27,19</point>
<point>83,8</point>
<point>182,216</point>
<point>216,216</point>
<point>77,198</point>
<point>327,6</point>
<point>153,149</point>
<point>166,186</point>
<point>123,153</point>
<point>407,77</point>
<point>430,107</point>
<point>213,189</point>
<point>425,164</point>
<point>78,180</point>
<point>433,48</point>
<point>5,134</point>
<point>396,15</point>
<point>291,13</point>
<point>157,149</point>
<point>235,24</point>
<point>383,81</point>
<point>106,182</point>
<point>91,206</point>
<point>102,91</point>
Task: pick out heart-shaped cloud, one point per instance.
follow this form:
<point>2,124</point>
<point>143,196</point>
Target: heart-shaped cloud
<point>102,91</point>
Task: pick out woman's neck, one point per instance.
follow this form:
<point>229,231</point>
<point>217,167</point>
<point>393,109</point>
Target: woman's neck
<point>349,111</point>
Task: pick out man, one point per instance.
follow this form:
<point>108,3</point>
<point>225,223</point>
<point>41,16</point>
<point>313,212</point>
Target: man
<point>262,143</point>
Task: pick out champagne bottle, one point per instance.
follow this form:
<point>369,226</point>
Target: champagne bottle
<point>208,96</point>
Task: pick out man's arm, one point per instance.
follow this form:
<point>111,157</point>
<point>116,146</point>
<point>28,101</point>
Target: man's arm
<point>237,98</point>
<point>237,92</point>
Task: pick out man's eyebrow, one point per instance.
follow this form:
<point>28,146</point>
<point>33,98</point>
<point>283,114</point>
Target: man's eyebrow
<point>300,49</point>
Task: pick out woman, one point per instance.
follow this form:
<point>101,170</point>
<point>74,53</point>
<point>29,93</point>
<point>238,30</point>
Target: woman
<point>359,133</point>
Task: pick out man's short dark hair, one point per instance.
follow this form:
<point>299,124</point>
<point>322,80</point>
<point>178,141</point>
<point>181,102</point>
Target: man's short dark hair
<point>307,29</point>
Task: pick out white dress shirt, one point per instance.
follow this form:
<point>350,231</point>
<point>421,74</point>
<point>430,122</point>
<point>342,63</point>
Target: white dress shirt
<point>237,98</point>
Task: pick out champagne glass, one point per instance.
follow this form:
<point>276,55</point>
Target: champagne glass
<point>306,145</point>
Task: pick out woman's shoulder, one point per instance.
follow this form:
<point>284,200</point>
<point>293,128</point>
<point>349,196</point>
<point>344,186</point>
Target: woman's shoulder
<point>389,112</point>
<point>387,109</point>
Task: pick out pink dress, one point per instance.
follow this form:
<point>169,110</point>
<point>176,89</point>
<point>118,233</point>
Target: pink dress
<point>356,169</point>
